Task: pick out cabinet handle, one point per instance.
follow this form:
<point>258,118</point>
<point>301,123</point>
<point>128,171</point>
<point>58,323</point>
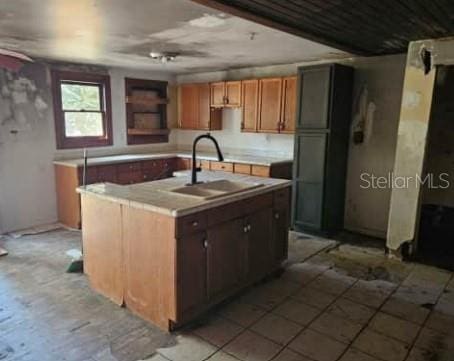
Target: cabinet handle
<point>249,227</point>
<point>245,229</point>
<point>276,215</point>
<point>195,224</point>
<point>242,125</point>
<point>205,243</point>
<point>144,176</point>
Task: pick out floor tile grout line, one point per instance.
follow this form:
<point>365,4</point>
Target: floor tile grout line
<point>305,327</point>
<point>377,310</point>
<point>413,344</point>
<point>268,311</point>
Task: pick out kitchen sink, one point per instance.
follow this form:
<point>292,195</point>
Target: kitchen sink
<point>214,189</point>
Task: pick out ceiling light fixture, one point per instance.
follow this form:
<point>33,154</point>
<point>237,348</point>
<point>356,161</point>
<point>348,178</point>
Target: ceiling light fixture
<point>163,57</point>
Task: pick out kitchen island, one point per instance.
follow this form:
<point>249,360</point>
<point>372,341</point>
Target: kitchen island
<point>169,252</point>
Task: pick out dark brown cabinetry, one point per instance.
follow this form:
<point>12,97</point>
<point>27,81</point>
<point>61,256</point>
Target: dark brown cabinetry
<point>321,147</point>
<point>238,244</point>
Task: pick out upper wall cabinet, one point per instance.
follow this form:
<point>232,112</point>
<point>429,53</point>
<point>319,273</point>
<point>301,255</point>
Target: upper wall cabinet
<point>269,105</point>
<point>194,111</point>
<point>250,101</point>
<point>225,94</point>
<point>288,114</point>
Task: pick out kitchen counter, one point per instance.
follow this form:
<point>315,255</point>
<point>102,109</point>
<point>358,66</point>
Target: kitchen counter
<point>155,196</point>
<point>234,158</point>
<point>169,257</point>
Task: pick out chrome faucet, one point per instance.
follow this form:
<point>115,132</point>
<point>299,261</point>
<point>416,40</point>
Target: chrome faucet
<point>196,169</point>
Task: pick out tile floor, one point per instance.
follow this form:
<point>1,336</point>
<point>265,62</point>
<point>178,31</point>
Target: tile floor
<point>345,304</point>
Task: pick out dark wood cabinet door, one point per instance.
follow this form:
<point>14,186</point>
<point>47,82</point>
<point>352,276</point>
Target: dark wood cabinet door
<point>260,251</point>
<point>225,256</point>
<point>309,172</point>
<point>280,234</point>
<point>192,271</point>
<point>189,106</point>
<point>315,96</point>
<point>250,94</point>
<point>288,105</point>
<point>270,104</point>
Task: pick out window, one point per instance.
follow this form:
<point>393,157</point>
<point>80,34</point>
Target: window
<point>82,109</point>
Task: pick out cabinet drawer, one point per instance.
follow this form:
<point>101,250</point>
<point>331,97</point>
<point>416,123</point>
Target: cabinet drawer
<point>226,167</point>
<point>242,168</point>
<point>107,173</point>
<point>129,167</point>
<point>260,171</point>
<point>204,164</point>
<point>253,204</point>
<point>191,224</point>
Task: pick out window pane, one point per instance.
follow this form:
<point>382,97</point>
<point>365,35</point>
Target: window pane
<point>80,97</point>
<point>84,124</point>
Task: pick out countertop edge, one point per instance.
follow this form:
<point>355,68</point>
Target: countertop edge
<point>195,209</point>
<point>142,157</point>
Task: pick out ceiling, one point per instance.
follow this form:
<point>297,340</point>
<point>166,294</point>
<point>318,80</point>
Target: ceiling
<point>123,33</point>
<point>366,27</point>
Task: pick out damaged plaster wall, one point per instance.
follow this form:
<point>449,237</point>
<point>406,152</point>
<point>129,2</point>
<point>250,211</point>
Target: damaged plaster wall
<point>377,95</point>
<point>27,142</point>
<point>411,148</point>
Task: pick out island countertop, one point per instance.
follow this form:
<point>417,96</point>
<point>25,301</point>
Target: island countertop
<point>156,196</point>
<point>121,158</point>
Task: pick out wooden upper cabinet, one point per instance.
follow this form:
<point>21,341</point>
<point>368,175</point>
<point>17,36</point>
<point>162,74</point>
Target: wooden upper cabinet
<point>288,105</point>
<point>250,95</point>
<point>225,94</point>
<point>194,108</point>
<point>270,105</point>
<point>217,94</point>
<point>233,94</point>
<point>189,106</point>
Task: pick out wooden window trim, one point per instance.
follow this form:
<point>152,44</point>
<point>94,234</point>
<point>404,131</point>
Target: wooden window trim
<point>103,81</point>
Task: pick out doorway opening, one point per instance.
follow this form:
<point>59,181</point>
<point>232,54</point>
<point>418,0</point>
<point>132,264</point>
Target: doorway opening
<point>436,228</point>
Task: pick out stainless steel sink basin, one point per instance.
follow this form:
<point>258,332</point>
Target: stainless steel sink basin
<point>215,189</point>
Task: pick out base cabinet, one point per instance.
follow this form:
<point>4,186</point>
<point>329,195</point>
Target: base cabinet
<point>171,270</point>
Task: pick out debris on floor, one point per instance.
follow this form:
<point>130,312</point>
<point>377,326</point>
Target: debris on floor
<point>3,252</point>
<point>35,230</point>
<point>77,262</point>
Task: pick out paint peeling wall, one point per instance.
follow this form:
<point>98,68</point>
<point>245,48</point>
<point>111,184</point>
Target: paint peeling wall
<point>411,147</point>
<point>27,143</point>
<point>377,97</point>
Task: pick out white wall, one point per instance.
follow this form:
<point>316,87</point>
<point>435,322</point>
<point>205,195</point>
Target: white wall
<point>27,186</point>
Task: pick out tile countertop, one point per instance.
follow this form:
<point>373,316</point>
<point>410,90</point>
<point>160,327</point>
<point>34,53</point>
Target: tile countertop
<point>155,196</point>
<point>122,158</point>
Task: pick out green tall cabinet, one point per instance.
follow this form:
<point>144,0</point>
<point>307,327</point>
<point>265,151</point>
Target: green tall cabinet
<point>321,147</point>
